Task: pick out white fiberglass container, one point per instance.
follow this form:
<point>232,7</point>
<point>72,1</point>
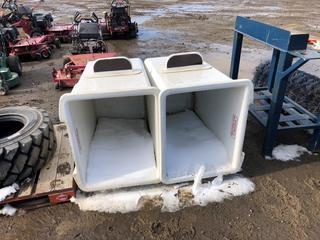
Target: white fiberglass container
<point>202,117</point>
<point>111,121</point>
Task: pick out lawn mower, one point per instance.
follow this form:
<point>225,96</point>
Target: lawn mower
<point>87,37</point>
<point>36,24</point>
<point>10,69</point>
<point>118,21</point>
<point>73,67</point>
<point>36,47</point>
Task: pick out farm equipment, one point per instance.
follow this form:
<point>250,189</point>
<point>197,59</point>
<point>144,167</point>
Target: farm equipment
<point>73,67</point>
<point>36,24</point>
<point>118,21</point>
<point>9,79</point>
<point>36,47</point>
<point>87,37</point>
<point>10,69</point>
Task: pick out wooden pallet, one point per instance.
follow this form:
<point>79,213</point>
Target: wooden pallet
<point>54,183</point>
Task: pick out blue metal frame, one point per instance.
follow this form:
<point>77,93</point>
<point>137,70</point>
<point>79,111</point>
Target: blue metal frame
<point>274,110</point>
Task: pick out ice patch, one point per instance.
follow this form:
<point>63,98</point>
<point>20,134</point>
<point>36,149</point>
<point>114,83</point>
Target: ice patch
<point>288,152</point>
<point>217,191</point>
<point>7,191</point>
<point>7,210</point>
<point>169,198</point>
<point>198,180</point>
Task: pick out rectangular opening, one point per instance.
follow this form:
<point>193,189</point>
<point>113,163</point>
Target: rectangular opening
<point>116,141</point>
<point>201,130</point>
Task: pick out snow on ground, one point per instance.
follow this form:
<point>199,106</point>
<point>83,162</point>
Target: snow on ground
<point>7,191</point>
<point>169,198</point>
<point>7,210</point>
<point>288,152</point>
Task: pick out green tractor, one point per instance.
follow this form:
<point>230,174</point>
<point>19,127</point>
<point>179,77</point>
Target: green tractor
<point>10,67</point>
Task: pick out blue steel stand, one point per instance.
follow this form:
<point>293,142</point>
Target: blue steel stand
<point>271,107</point>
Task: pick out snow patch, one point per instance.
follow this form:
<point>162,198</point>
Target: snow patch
<point>169,198</point>
<point>198,180</point>
<point>7,191</point>
<point>288,152</point>
<point>7,210</point>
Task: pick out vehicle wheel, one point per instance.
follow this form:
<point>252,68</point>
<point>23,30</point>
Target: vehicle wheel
<point>4,90</point>
<point>133,33</point>
<point>14,64</point>
<point>27,141</point>
<point>36,32</point>
<point>58,86</point>
<point>65,61</point>
<point>46,54</point>
<point>57,43</point>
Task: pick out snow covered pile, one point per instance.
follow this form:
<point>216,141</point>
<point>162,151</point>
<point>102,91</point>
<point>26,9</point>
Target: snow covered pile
<point>4,193</point>
<point>7,210</point>
<point>288,152</point>
<point>7,191</point>
<point>168,198</point>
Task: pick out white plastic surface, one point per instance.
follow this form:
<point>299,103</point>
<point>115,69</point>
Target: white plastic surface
<point>121,154</point>
<point>108,116</point>
<point>202,119</point>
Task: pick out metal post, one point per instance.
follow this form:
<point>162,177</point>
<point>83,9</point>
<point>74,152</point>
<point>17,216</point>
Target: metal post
<point>236,54</point>
<point>278,95</point>
<point>273,68</point>
<point>315,141</point>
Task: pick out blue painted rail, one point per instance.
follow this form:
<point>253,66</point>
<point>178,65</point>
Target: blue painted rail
<point>271,107</point>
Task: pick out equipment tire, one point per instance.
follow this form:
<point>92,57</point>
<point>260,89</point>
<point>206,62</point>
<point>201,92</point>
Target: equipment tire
<point>14,64</point>
<point>27,142</point>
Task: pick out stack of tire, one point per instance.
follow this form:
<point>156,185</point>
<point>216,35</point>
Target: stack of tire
<point>27,141</point>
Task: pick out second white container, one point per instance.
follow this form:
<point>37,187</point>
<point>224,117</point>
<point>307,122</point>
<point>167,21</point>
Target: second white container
<point>202,117</point>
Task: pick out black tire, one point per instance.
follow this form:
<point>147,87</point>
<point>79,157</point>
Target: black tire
<point>4,90</point>
<point>133,30</point>
<point>26,143</point>
<point>46,54</point>
<point>14,64</point>
<point>304,88</point>
<point>36,32</point>
<point>66,60</point>
<point>57,43</point>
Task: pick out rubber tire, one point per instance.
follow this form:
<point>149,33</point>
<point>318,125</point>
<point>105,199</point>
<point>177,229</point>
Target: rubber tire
<point>14,64</point>
<point>57,43</point>
<point>65,61</point>
<point>4,90</point>
<point>46,56</point>
<point>302,87</point>
<point>25,152</point>
<point>36,32</point>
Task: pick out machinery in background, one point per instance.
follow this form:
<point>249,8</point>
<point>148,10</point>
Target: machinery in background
<point>73,67</point>
<point>10,69</point>
<point>87,37</point>
<point>118,21</point>
<point>35,24</point>
<point>35,47</point>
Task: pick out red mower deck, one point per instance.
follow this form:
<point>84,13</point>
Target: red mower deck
<point>73,67</point>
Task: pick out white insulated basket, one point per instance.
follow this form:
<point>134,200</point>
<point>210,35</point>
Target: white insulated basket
<point>202,117</point>
<point>112,125</point>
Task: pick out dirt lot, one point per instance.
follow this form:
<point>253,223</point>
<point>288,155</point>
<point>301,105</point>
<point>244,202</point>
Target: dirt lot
<point>286,203</point>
